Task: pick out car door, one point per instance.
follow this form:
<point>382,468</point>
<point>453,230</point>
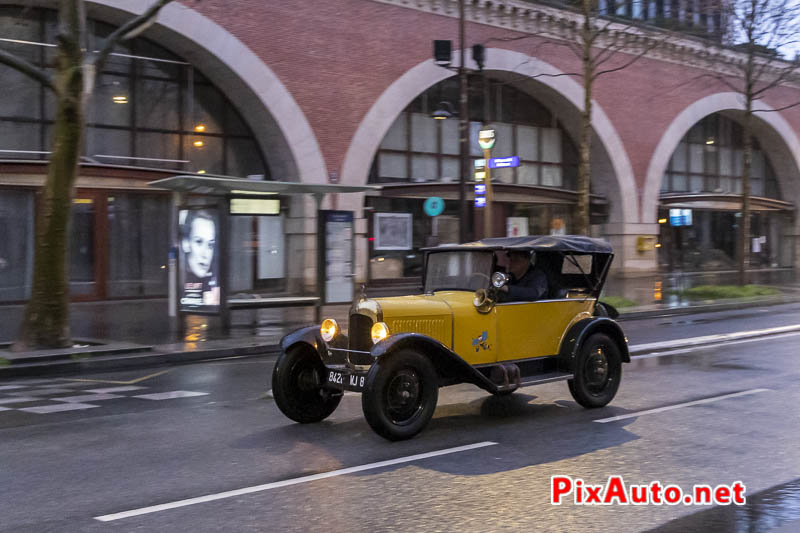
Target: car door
<point>534,329</point>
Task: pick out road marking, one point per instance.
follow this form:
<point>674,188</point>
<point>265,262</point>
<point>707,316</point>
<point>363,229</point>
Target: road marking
<point>706,346</point>
<point>679,405</point>
<point>170,395</point>
<point>20,399</point>
<point>115,389</point>
<point>83,398</point>
<point>114,382</point>
<point>711,339</point>
<point>11,387</point>
<point>57,408</point>
<point>288,482</point>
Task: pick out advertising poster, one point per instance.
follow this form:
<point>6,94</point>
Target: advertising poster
<point>393,231</point>
<point>338,234</point>
<point>199,288</point>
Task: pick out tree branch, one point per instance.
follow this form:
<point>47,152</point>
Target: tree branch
<point>129,30</point>
<point>27,68</point>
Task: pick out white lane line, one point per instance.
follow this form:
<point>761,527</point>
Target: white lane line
<point>115,389</point>
<point>706,346</point>
<point>285,483</point>
<point>57,408</point>
<point>170,395</point>
<point>710,339</point>
<point>84,398</point>
<point>679,405</point>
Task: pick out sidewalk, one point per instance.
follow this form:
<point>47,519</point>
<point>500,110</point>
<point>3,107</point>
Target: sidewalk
<point>126,334</point>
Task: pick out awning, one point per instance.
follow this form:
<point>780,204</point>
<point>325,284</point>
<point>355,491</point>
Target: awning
<point>225,185</point>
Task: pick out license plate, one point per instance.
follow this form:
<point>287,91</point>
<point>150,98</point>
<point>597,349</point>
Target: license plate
<point>342,380</point>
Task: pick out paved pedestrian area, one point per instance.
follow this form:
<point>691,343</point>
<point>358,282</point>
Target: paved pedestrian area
<point>50,396</point>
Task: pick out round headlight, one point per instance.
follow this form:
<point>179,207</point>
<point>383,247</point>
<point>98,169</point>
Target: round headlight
<point>329,329</point>
<point>379,332</point>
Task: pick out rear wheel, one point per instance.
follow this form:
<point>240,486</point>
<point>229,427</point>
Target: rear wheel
<point>297,386</point>
<point>400,395</point>
<point>598,371</point>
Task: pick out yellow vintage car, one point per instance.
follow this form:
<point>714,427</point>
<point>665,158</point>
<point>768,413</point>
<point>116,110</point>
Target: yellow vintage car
<point>499,313</point>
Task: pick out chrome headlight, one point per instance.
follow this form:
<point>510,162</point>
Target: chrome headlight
<point>329,329</point>
<point>379,332</point>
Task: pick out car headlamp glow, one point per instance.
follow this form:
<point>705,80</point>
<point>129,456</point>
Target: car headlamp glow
<point>379,332</point>
<point>329,329</point>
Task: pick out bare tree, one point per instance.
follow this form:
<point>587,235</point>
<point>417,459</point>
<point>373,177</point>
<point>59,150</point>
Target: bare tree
<point>761,30</point>
<point>46,319</point>
<point>604,44</point>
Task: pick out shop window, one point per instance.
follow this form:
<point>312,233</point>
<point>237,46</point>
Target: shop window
<point>16,246</point>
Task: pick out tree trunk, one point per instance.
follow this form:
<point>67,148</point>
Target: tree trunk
<point>46,320</point>
<point>582,225</point>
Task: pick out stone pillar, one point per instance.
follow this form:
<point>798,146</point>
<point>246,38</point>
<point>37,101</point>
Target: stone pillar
<point>628,259</point>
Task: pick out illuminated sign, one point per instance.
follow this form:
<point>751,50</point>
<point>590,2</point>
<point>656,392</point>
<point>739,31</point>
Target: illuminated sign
<point>504,162</point>
<point>480,201</point>
<point>480,188</point>
<point>486,139</point>
<point>255,206</point>
<point>680,217</point>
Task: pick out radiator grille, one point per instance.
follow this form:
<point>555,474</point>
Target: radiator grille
<point>358,332</point>
<point>432,327</point>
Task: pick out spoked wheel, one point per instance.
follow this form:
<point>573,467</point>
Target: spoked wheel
<point>598,371</point>
<point>297,386</point>
<point>400,395</point>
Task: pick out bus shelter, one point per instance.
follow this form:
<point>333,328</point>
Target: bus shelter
<point>199,260</point>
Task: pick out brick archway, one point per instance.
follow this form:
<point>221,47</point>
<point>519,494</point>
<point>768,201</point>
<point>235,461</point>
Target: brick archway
<point>279,125</point>
<point>779,142</point>
<point>560,91</point>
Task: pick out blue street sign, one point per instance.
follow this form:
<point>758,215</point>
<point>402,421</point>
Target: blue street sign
<point>504,162</point>
<point>433,206</point>
<point>480,201</point>
<point>480,188</point>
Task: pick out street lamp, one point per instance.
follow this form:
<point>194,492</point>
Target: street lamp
<point>443,111</point>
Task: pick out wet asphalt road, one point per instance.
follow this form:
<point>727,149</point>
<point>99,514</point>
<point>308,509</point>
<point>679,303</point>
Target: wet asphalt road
<point>195,430</point>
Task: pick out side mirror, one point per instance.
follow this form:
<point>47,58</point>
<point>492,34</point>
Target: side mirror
<point>499,279</point>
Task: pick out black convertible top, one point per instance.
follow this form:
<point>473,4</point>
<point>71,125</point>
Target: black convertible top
<point>537,243</point>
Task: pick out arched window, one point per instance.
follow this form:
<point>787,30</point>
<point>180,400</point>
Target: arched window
<point>151,108</point>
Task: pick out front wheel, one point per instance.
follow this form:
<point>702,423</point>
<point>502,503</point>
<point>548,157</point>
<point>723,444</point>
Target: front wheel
<point>297,386</point>
<point>400,395</point>
<point>598,370</point>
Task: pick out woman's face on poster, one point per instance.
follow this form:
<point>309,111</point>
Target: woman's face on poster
<point>202,240</point>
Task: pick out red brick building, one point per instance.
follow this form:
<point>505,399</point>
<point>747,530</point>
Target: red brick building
<point>342,90</point>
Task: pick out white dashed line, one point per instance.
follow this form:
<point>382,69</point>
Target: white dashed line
<point>57,408</point>
<point>286,483</point>
<point>170,395</point>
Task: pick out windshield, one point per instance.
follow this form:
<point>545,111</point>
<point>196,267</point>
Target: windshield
<point>465,271</point>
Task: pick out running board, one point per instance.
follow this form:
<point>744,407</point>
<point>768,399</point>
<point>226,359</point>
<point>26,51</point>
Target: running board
<point>545,378</point>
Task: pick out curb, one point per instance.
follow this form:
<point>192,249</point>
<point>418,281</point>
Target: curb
<point>131,361</point>
<point>678,344</point>
<point>705,308</point>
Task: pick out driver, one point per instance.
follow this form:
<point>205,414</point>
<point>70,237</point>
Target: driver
<point>527,283</point>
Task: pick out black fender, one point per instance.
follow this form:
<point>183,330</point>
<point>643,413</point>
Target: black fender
<point>580,331</point>
<point>450,367</point>
<point>307,335</point>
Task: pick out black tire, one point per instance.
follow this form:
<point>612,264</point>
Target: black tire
<point>297,386</point>
<point>598,371</point>
<point>400,395</point>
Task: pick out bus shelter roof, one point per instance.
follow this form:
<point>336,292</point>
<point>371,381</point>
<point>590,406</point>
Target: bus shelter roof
<point>224,186</point>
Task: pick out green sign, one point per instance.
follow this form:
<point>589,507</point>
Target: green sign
<point>433,206</point>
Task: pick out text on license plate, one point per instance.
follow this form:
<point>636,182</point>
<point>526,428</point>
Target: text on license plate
<point>344,380</point>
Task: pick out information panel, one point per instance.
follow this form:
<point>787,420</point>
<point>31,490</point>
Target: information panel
<point>338,255</point>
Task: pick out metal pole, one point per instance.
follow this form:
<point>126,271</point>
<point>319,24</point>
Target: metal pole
<point>463,129</point>
<point>487,211</point>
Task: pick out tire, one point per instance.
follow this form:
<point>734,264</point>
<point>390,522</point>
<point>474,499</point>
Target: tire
<point>297,386</point>
<point>598,371</point>
<point>400,395</point>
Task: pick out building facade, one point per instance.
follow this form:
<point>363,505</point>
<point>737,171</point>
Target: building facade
<point>343,92</point>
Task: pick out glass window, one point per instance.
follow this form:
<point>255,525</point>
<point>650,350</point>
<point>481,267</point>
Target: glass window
<point>204,152</point>
<point>424,135</point>
<point>697,184</point>
<point>679,183</point>
<point>81,247</point>
<point>450,139</point>
<point>207,110</point>
<point>504,145</point>
<point>726,161</point>
<point>474,148</point>
<point>757,187</point>
<point>111,102</point>
<point>397,136</point>
<point>503,175</point>
<point>20,95</point>
<point>527,143</point>
<point>424,168</point>
<point>243,158</point>
<point>157,104</point>
<point>16,246</point>
<point>551,176</point>
<point>678,161</point>
<point>109,146</point>
<point>16,138</point>
<point>392,166</point>
<point>528,174</point>
<point>551,145</point>
<point>158,146</point>
<point>138,244</point>
<point>696,157</point>
<point>450,169</point>
<point>758,164</point>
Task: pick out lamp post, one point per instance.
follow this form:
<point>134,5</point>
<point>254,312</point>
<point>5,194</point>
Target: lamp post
<point>463,130</point>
